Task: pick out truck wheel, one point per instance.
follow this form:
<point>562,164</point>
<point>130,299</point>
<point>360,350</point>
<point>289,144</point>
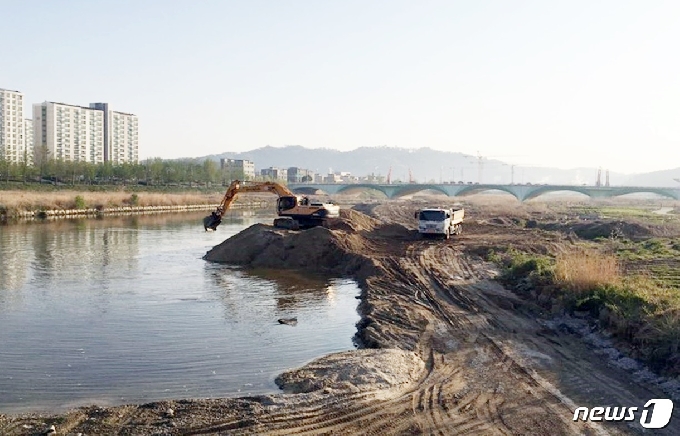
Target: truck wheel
<point>447,235</point>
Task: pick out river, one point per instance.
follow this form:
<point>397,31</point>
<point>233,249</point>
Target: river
<point>124,310</point>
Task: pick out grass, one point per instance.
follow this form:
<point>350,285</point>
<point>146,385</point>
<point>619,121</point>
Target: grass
<point>652,248</point>
<point>641,312</point>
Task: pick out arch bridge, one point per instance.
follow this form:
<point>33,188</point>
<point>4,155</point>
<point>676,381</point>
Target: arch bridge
<point>520,192</point>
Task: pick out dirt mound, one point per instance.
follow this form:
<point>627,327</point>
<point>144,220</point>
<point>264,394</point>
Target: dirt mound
<point>319,248</point>
<point>355,371</point>
<point>606,229</point>
<point>353,221</point>
<point>395,231</point>
<point>366,208</point>
<point>341,249</point>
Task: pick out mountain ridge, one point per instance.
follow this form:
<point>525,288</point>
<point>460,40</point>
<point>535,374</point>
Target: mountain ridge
<point>434,166</point>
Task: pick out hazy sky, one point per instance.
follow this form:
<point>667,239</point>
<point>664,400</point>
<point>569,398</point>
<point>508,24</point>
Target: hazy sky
<point>559,83</point>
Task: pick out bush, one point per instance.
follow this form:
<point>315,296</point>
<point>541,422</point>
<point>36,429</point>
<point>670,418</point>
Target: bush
<point>522,265</point>
<point>80,202</point>
<point>134,200</point>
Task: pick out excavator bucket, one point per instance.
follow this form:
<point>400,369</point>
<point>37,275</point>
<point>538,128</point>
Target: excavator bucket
<point>211,222</point>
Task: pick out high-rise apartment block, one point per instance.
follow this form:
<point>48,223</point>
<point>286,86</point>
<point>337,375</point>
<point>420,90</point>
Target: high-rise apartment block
<point>68,132</point>
<point>91,134</point>
<point>28,141</point>
<point>12,147</point>
<point>121,135</point>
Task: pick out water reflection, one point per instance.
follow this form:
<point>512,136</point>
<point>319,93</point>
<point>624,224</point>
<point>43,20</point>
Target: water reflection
<point>125,310</point>
<point>291,289</point>
<point>58,255</point>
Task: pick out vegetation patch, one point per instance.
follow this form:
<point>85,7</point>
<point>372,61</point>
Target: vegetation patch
<point>641,313</point>
<point>79,202</point>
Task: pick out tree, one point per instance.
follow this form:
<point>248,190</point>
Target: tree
<point>41,158</point>
<point>211,171</point>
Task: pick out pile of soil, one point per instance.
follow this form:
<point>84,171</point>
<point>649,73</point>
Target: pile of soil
<point>319,249</point>
<point>341,249</point>
<point>355,371</point>
<point>607,228</point>
<point>353,221</point>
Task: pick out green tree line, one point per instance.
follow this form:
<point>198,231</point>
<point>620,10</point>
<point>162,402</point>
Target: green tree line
<point>154,171</point>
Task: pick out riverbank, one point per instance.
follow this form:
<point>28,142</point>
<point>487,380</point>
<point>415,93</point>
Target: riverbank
<point>445,348</point>
<point>28,204</point>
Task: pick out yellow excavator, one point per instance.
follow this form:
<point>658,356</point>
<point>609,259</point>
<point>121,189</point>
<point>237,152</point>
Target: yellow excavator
<point>295,212</point>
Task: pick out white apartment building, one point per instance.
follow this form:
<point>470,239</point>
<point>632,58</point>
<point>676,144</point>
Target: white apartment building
<point>121,135</point>
<point>237,168</point>
<point>28,141</point>
<point>11,126</point>
<point>123,138</point>
<point>70,133</point>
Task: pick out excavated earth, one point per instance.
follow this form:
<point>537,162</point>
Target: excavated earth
<point>444,348</point>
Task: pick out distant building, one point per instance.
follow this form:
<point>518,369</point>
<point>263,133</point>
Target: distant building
<point>372,178</point>
<point>28,141</point>
<point>300,175</point>
<point>274,173</point>
<point>332,178</point>
<point>121,135</point>
<point>11,126</point>
<point>238,169</point>
<point>91,134</point>
<point>69,132</point>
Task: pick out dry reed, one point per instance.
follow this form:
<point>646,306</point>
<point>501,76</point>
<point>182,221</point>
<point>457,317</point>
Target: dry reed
<point>30,201</point>
<point>583,271</point>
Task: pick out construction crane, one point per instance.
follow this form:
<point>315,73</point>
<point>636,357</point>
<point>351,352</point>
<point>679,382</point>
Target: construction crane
<point>480,165</point>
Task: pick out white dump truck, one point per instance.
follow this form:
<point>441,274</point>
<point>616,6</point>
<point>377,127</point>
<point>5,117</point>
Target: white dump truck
<point>440,222</point>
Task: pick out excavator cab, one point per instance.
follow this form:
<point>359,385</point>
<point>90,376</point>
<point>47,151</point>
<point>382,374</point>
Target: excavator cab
<point>286,203</point>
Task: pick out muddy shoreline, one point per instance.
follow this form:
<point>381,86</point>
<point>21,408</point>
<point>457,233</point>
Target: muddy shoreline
<point>443,349</point>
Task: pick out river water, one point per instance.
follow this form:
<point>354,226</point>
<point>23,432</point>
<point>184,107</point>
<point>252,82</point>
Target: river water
<point>124,310</point>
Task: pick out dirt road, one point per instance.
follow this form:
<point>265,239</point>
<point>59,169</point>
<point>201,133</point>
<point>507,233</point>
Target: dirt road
<point>459,354</point>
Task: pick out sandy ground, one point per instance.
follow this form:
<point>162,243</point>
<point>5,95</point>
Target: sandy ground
<point>445,349</point>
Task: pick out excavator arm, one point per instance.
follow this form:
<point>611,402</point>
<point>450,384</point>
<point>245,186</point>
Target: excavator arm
<point>236,187</point>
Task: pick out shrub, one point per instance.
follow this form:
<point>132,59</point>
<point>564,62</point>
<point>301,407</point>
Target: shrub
<point>80,202</point>
<point>522,265</point>
<point>134,200</point>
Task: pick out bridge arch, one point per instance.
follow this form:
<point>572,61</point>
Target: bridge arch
<point>307,190</point>
<point>413,189</point>
<point>476,189</point>
<point>346,189</point>
<point>657,191</point>
<point>541,190</point>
